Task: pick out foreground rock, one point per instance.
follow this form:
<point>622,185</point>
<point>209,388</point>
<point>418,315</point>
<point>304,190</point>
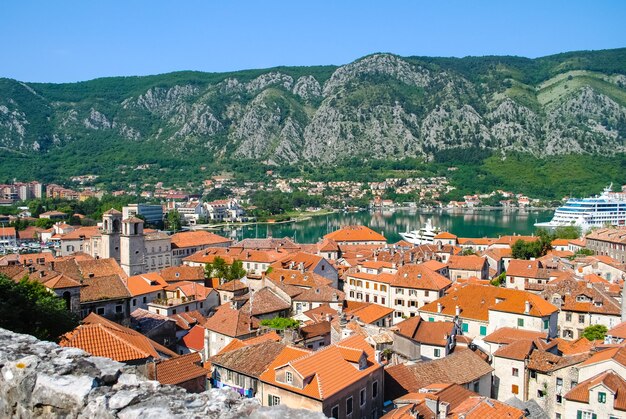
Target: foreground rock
<point>41,379</point>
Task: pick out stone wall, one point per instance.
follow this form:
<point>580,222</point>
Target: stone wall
<point>41,379</point>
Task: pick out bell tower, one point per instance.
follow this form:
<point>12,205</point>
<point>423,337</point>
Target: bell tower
<point>132,246</point>
<point>111,228</point>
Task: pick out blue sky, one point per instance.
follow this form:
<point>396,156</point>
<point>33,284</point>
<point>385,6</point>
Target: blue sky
<point>62,41</point>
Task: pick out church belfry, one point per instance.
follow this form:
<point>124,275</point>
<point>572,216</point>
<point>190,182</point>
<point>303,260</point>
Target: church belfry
<point>132,246</point>
<point>111,228</point>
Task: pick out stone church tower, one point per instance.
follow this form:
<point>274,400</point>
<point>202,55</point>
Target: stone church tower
<point>132,246</point>
<point>111,229</point>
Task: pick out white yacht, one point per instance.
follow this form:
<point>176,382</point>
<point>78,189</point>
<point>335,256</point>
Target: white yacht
<point>425,235</point>
<point>609,208</point>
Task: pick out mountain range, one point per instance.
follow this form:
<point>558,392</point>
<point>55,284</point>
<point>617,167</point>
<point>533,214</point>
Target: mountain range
<point>381,106</point>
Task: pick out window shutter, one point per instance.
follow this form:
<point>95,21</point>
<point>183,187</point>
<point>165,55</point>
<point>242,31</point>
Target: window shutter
<point>269,403</point>
<point>579,414</point>
<point>594,416</point>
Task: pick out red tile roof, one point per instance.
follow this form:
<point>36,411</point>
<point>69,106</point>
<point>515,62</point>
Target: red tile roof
<point>194,339</point>
<point>326,371</point>
<point>180,369</point>
<point>609,379</point>
<point>196,238</point>
<point>356,233</point>
<point>102,337</point>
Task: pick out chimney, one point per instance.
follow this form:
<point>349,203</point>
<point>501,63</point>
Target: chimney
<point>458,311</point>
<point>526,307</point>
<point>440,307</point>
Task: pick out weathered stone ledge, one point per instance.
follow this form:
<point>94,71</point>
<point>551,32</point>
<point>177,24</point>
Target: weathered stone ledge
<point>42,379</point>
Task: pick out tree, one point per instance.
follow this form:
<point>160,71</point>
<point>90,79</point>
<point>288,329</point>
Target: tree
<point>28,307</point>
<point>567,232</point>
<point>595,332</point>
<point>236,270</point>
<point>281,323</point>
<point>468,251</point>
<point>173,220</point>
<point>44,223</point>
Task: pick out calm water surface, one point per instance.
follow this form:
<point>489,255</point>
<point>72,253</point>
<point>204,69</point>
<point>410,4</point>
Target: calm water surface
<point>475,223</point>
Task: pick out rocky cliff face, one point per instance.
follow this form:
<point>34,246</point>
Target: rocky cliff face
<point>381,106</point>
<point>41,379</point>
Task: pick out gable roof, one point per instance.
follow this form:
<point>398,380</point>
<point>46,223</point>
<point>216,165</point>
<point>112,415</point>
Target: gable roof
<point>145,283</point>
<point>355,233</point>
<point>102,337</point>
<point>250,360</point>
<point>196,238</point>
<point>506,335</point>
<point>230,322</point>
<point>467,263</point>
<point>420,277</point>
<point>103,288</point>
<point>180,369</point>
<point>461,367</point>
<point>475,302</point>
<point>194,339</point>
<point>326,371</point>
<point>480,407</point>
<point>609,379</point>
<point>366,312</point>
<point>183,273</point>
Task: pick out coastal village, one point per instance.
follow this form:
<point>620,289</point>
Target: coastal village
<point>352,326</point>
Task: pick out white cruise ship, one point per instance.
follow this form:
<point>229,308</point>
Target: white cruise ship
<point>598,211</point>
<point>425,235</point>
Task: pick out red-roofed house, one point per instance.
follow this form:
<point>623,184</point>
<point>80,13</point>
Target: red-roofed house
<point>356,235</point>
<point>464,267</point>
<point>601,396</point>
<point>185,296</point>
<point>341,380</point>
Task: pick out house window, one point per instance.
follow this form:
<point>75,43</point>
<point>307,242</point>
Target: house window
<point>515,389</point>
<point>334,413</point>
<point>145,300</point>
<point>540,394</point>
<point>559,382</point>
<point>533,374</point>
<point>289,377</point>
<point>465,327</point>
<point>375,389</point>
<point>515,372</point>
<point>273,400</point>
<point>546,324</point>
<point>100,311</point>
<point>383,288</point>
<point>118,308</point>
<point>362,398</point>
<point>559,399</point>
<point>568,317</point>
<point>581,414</point>
<point>426,293</point>
<point>431,319</point>
<point>483,330</point>
<point>437,353</point>
<point>520,322</point>
<point>382,300</point>
<point>476,386</point>
<point>601,397</point>
<point>230,375</point>
<point>134,302</point>
<point>349,406</point>
<point>581,318</point>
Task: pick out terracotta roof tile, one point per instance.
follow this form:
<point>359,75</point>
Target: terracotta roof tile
<point>609,379</point>
<point>420,277</point>
<point>475,302</point>
<point>180,369</point>
<point>366,312</point>
<point>250,360</point>
<point>518,350</point>
<point>506,335</point>
<point>230,322</point>
<point>103,288</point>
<point>327,370</point>
<point>468,263</point>
<point>102,337</point>
<point>196,238</point>
<point>322,294</point>
<point>145,283</point>
<point>485,408</point>
<point>183,273</point>
<point>356,233</point>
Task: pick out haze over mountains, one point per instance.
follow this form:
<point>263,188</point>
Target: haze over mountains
<point>381,106</point>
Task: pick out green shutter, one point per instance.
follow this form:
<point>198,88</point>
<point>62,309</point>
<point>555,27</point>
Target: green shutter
<point>465,327</point>
<point>483,330</point>
<point>431,319</point>
<point>269,399</point>
<point>579,414</point>
<point>546,324</point>
<point>594,416</point>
